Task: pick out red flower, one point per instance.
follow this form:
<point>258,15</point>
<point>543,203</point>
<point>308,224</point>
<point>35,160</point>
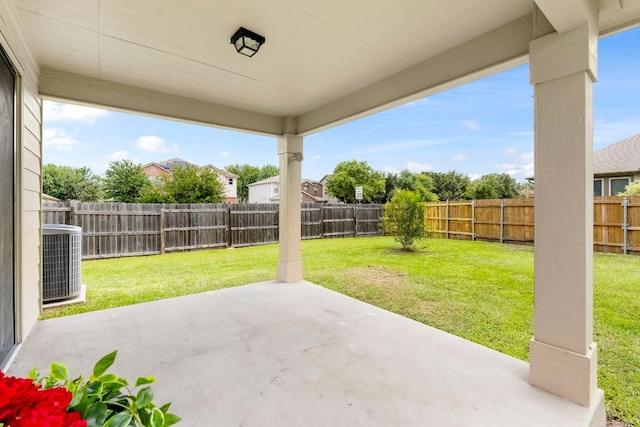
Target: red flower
<point>24,404</point>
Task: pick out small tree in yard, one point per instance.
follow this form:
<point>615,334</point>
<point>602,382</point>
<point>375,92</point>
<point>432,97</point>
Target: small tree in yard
<point>404,217</point>
<point>632,189</point>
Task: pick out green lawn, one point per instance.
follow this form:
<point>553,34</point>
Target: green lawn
<point>479,291</point>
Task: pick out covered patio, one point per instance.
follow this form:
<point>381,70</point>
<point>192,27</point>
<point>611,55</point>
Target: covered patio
<point>274,354</point>
<point>323,64</point>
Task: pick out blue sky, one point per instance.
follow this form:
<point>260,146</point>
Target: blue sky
<point>479,128</point>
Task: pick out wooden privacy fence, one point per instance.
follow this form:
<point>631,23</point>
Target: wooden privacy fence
<point>616,222</point>
<point>122,229</point>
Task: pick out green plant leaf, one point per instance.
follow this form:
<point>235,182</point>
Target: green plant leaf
<point>171,419</point>
<point>96,414</point>
<point>165,408</point>
<point>34,375</point>
<point>145,380</point>
<point>157,418</point>
<point>104,364</point>
<point>59,372</point>
<point>79,402</point>
<point>144,397</point>
<point>119,420</point>
<point>144,417</point>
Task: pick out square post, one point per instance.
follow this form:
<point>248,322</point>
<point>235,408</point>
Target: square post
<point>563,356</point>
<point>290,236</point>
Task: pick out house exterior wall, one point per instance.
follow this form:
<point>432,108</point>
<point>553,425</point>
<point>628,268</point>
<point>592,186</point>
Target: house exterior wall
<point>230,188</point>
<point>313,188</point>
<point>606,181</point>
<point>28,179</point>
<point>262,193</point>
<point>154,171</point>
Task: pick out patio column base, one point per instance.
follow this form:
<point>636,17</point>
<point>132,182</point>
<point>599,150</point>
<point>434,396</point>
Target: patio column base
<point>565,373</point>
<point>289,271</point>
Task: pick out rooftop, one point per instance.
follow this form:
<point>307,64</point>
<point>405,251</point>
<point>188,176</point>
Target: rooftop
<point>623,156</point>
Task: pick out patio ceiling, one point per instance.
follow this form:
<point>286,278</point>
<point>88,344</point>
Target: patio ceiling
<point>323,62</point>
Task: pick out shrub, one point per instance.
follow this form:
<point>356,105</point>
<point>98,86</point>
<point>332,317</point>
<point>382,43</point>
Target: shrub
<point>404,218</point>
<point>632,189</point>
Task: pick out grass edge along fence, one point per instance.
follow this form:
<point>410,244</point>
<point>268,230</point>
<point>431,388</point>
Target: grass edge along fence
<point>127,229</point>
<point>616,222</point>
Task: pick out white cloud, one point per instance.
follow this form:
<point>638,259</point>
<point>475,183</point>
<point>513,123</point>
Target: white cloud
<point>223,154</point>
<point>118,155</point>
<point>461,157</point>
<point>155,144</point>
<point>470,124</point>
<point>516,171</point>
<point>505,166</point>
<point>390,169</point>
<point>517,165</point>
<point>527,157</point>
<point>474,176</point>
<point>418,167</point>
<point>58,139</point>
<point>58,112</point>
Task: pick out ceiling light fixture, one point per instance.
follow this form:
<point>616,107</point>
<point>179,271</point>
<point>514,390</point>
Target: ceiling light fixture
<point>247,42</point>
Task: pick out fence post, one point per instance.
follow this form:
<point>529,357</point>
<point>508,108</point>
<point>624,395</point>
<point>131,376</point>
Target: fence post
<point>625,226</point>
<point>72,215</point>
<point>229,238</point>
<point>501,221</point>
<point>322,221</point>
<point>447,220</point>
<point>162,212</point>
<point>355,221</point>
<point>473,220</point>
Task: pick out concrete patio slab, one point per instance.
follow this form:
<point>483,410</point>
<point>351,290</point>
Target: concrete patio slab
<point>275,354</point>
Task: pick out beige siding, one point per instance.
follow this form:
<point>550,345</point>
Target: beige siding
<point>31,150</point>
<point>31,142</point>
<point>28,170</point>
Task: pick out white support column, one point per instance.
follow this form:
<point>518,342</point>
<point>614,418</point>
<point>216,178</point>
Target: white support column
<point>290,263</point>
<point>563,356</point>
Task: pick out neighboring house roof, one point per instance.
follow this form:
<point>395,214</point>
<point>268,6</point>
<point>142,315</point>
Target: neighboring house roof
<point>276,197</point>
<point>266,181</point>
<point>222,171</point>
<point>171,163</point>
<point>156,164</point>
<point>277,179</point>
<point>623,156</point>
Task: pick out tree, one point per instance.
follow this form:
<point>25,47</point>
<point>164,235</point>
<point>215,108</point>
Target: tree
<point>248,174</point>
<point>421,183</point>
<point>191,184</point>
<point>155,193</point>
<point>525,190</point>
<point>493,186</point>
<point>632,189</point>
<point>390,183</point>
<point>450,185</point>
<point>351,174</point>
<point>68,183</point>
<point>404,217</point>
<point>482,189</point>
<point>124,181</point>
